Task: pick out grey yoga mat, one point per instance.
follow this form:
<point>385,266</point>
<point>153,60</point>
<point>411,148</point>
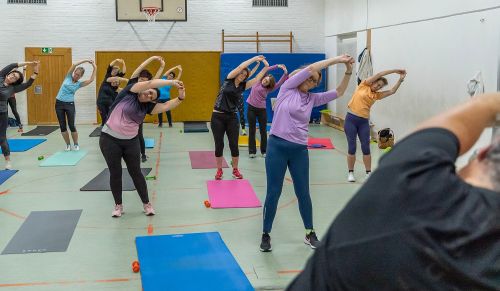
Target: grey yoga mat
<point>44,231</point>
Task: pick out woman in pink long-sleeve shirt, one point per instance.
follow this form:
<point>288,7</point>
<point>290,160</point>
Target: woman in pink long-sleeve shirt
<point>288,142</point>
<point>257,106</point>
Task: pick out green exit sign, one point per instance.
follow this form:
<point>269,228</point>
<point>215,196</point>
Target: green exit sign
<point>46,50</point>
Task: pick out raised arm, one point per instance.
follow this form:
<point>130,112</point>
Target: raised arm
<point>345,80</point>
<point>171,104</point>
<point>254,69</point>
<point>137,71</point>
<point>155,83</point>
<point>467,121</point>
<point>73,67</point>
<point>297,79</point>
<point>114,62</point>
<point>92,77</point>
<point>160,69</point>
<point>114,79</point>
<point>259,76</point>
<point>124,67</point>
<point>179,74</point>
<point>377,76</point>
<point>395,88</point>
<point>5,71</point>
<point>27,84</point>
<point>244,65</point>
<point>283,78</point>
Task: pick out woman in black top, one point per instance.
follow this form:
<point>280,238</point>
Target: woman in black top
<point>11,81</point>
<point>107,91</point>
<point>224,119</point>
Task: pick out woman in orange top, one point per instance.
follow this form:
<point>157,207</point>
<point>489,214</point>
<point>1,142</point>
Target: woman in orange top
<point>358,115</point>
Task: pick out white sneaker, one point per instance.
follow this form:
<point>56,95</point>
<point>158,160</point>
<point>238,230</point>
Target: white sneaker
<point>117,212</point>
<point>76,147</point>
<point>8,165</point>
<point>252,156</point>
<point>68,148</point>
<point>263,155</point>
<point>148,209</point>
<point>368,175</point>
<point>350,177</point>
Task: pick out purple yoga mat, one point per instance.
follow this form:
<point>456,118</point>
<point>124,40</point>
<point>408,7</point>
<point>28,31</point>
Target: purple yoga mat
<point>204,160</point>
<point>232,194</point>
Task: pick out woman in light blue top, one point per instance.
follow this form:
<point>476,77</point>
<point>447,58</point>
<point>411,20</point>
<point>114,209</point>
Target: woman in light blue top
<point>165,93</point>
<point>65,101</point>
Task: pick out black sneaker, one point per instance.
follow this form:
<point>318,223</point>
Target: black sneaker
<point>265,244</point>
<point>144,158</point>
<point>312,240</point>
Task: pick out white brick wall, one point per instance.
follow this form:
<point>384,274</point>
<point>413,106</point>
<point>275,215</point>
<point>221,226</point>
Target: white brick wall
<point>87,26</point>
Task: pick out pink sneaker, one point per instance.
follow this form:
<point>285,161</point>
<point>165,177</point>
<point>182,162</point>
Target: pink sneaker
<point>118,211</point>
<point>148,209</point>
<point>218,175</point>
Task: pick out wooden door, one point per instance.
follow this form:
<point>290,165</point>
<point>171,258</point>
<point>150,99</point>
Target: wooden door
<point>42,94</point>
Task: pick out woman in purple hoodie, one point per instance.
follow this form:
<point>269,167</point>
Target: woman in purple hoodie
<point>288,142</point>
<point>257,106</point>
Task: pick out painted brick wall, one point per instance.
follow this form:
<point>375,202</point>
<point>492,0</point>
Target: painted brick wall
<point>87,26</point>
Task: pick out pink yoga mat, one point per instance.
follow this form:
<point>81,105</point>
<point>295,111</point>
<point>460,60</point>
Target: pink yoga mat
<point>204,160</point>
<point>326,142</point>
<point>232,194</point>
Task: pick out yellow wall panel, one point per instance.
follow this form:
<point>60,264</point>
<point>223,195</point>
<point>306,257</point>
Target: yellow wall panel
<point>200,76</point>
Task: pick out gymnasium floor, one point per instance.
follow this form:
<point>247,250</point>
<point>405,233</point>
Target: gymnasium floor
<point>102,247</point>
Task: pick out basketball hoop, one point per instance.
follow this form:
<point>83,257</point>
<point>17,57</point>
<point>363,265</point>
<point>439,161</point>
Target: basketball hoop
<point>150,13</point>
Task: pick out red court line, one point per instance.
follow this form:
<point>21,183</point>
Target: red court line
<point>12,213</point>
<point>289,272</point>
<point>230,219</point>
<point>5,192</point>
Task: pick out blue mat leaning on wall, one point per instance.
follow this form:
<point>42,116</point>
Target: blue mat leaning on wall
<point>229,61</point>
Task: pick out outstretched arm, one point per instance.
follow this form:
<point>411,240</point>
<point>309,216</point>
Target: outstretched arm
<point>254,69</point>
<point>137,71</point>
<point>171,104</point>
<point>92,77</point>
<point>27,84</point>
<point>244,65</point>
<point>283,78</point>
<point>377,76</point>
<point>124,68</point>
<point>73,66</point>
<point>179,74</point>
<point>345,80</point>
<point>259,76</point>
<point>160,69</point>
<point>155,83</point>
<point>467,121</point>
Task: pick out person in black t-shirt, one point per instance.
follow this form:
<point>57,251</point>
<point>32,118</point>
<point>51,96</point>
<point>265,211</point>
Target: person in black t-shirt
<point>224,118</point>
<point>417,223</point>
<point>107,91</point>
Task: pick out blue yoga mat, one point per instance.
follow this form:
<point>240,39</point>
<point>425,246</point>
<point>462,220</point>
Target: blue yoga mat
<point>194,261</point>
<point>22,145</point>
<point>149,142</point>
<point>6,174</point>
<point>69,158</point>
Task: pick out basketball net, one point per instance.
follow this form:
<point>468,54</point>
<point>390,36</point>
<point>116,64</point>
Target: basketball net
<point>150,13</point>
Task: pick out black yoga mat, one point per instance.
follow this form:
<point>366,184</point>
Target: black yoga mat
<point>195,126</point>
<point>41,130</point>
<point>101,181</point>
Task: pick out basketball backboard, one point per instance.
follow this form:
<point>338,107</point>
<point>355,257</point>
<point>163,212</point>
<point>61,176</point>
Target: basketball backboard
<point>170,10</point>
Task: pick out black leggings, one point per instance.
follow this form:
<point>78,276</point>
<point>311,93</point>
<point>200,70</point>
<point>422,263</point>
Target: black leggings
<point>66,110</point>
<point>13,107</point>
<point>257,114</point>
<point>4,123</point>
<point>113,150</point>
<point>160,115</point>
<point>225,123</point>
<point>141,140</point>
<point>104,112</point>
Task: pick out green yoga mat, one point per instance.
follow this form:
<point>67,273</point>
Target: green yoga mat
<point>69,158</point>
